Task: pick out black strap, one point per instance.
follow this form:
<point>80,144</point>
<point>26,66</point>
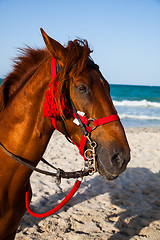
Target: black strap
<point>79,120</point>
<point>65,131</point>
<point>61,173</point>
<point>47,163</point>
<point>93,65</point>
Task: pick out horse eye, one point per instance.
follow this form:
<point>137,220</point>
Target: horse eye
<point>82,88</point>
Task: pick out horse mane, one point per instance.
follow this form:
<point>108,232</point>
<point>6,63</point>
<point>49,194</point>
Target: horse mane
<point>29,60</point>
<point>24,67</point>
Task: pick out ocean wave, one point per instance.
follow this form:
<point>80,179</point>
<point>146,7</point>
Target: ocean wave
<point>139,117</point>
<point>142,103</point>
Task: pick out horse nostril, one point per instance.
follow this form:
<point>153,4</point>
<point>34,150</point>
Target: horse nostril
<point>117,161</point>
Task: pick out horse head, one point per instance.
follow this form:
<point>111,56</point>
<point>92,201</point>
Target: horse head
<point>82,83</point>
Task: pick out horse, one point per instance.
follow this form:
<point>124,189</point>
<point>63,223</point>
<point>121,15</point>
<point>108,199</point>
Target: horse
<point>27,111</point>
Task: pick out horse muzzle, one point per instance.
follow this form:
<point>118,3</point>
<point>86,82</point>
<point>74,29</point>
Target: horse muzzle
<point>112,161</point>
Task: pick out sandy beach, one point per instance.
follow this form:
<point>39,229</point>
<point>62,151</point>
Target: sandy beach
<point>126,208</point>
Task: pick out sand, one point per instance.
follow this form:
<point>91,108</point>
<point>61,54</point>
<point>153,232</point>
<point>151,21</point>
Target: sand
<point>126,208</point>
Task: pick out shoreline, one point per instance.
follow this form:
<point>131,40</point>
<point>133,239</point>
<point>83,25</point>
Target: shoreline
<point>123,209</point>
<point>142,129</point>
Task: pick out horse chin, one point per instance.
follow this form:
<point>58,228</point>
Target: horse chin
<point>104,172</point>
<point>107,175</point>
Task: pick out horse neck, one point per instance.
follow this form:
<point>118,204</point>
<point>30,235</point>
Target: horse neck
<point>25,131</point>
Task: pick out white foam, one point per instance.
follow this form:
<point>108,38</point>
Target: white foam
<point>142,103</point>
<point>140,117</point>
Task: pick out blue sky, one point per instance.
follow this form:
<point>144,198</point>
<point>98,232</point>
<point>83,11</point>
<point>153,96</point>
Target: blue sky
<point>124,34</point>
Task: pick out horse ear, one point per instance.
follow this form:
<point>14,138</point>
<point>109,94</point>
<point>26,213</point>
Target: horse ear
<point>55,48</point>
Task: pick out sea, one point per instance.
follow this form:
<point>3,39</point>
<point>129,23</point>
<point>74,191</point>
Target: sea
<point>137,106</point>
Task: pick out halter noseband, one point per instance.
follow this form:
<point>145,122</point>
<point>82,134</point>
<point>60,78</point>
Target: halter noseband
<point>89,155</point>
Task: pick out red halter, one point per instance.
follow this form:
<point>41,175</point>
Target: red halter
<point>84,121</point>
<point>50,109</point>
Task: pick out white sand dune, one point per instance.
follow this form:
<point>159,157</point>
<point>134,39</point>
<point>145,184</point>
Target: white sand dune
<point>123,209</point>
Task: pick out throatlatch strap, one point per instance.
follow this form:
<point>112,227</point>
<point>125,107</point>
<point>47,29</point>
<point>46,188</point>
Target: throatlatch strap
<point>55,209</point>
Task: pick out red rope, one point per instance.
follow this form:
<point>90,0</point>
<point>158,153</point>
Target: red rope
<point>59,206</point>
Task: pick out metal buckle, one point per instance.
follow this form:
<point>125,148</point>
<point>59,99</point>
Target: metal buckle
<point>91,120</point>
<point>91,158</point>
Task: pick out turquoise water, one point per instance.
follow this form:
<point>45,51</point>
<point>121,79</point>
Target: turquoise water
<point>137,105</point>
